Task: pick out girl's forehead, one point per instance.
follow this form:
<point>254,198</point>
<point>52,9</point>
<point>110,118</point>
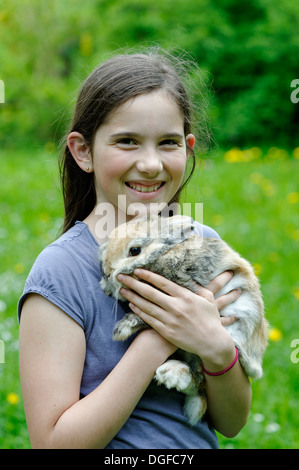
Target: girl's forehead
<point>146,105</point>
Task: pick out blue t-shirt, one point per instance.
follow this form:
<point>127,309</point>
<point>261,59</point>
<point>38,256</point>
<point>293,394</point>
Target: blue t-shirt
<point>67,273</point>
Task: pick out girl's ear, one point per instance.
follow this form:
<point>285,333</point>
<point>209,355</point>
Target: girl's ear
<point>80,151</point>
<point>190,140</point>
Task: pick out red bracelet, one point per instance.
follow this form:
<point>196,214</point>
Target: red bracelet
<point>225,370</point>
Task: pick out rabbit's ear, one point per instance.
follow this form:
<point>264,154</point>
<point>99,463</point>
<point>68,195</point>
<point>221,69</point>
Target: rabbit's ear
<point>176,229</point>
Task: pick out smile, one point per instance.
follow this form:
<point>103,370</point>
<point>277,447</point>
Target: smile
<point>143,188</point>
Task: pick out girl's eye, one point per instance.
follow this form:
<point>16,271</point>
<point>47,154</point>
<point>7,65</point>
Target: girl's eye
<point>127,142</point>
<point>169,143</point>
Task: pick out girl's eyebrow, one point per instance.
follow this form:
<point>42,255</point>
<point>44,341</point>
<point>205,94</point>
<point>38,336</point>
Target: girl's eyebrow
<point>172,135</point>
<point>168,135</point>
<point>122,134</point>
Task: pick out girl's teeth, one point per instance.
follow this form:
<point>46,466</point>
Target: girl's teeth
<point>145,189</point>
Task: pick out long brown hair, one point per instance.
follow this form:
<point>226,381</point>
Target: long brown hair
<point>111,84</point>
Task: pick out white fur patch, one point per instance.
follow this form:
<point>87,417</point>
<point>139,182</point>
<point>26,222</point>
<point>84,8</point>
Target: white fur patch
<point>194,408</point>
<point>176,374</point>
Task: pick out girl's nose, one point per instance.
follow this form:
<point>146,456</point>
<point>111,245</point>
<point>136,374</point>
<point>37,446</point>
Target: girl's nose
<point>150,163</point>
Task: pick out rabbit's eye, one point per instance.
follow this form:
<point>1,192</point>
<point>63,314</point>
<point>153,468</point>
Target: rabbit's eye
<point>135,251</point>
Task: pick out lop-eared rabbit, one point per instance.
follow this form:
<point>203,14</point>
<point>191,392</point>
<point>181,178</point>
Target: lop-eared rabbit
<point>169,246</point>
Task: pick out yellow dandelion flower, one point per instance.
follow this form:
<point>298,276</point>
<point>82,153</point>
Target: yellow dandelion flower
<point>217,219</point>
<point>257,268</point>
<point>251,154</point>
<point>86,44</point>
<point>268,187</point>
<point>294,234</point>
<point>256,152</point>
<point>50,147</point>
<point>3,17</point>
<point>296,153</point>
<point>19,268</point>
<point>277,154</point>
<point>275,334</point>
<point>293,197</point>
<point>233,155</point>
<point>247,155</point>
<point>44,217</point>
<point>12,398</point>
<point>273,257</point>
<point>256,178</point>
<point>296,292</point>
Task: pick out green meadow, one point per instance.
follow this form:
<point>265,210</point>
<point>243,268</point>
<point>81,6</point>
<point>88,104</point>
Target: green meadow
<point>251,198</point>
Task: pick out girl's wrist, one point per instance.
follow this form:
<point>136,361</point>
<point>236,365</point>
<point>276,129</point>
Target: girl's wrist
<point>159,348</point>
<point>220,354</point>
<point>223,371</point>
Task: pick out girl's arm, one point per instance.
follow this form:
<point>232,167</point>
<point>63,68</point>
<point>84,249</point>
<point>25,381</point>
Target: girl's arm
<point>52,354</point>
<point>192,322</point>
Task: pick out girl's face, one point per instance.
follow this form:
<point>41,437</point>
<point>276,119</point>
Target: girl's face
<point>140,152</point>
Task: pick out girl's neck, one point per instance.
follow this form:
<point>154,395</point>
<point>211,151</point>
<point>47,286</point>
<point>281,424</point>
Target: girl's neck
<point>101,225</point>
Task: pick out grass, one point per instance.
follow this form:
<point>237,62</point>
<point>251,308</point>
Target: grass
<point>254,206</point>
<point>252,200</point>
<point>30,211</point>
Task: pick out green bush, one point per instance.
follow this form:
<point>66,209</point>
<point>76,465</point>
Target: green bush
<point>249,52</point>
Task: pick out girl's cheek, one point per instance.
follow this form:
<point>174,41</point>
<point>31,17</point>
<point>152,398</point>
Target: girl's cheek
<point>109,170</point>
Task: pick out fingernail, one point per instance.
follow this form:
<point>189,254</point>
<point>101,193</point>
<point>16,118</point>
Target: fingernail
<point>120,277</point>
<point>137,272</point>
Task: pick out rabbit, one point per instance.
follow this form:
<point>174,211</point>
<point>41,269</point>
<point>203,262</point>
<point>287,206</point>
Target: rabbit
<point>169,246</point>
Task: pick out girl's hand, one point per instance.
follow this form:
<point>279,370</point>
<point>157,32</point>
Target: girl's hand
<point>190,321</point>
<point>215,286</point>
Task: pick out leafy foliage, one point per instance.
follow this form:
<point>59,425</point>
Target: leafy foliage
<point>248,51</point>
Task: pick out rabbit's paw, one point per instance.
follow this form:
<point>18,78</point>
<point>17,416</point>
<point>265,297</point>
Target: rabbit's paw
<point>128,325</point>
<point>176,374</point>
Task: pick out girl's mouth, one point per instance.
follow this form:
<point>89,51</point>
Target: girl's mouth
<point>145,188</point>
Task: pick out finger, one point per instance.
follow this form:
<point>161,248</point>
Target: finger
<point>163,284</point>
<point>219,281</point>
<point>150,319</point>
<point>229,320</point>
<point>205,293</point>
<point>228,298</point>
<point>146,291</point>
<point>137,299</point>
<point>147,306</point>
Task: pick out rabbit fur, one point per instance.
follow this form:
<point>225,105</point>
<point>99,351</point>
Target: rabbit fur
<point>169,247</point>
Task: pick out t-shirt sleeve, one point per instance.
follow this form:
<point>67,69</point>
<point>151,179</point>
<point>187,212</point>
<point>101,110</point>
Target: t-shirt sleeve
<point>56,276</point>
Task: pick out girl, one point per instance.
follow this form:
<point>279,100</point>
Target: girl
<point>130,136</point>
